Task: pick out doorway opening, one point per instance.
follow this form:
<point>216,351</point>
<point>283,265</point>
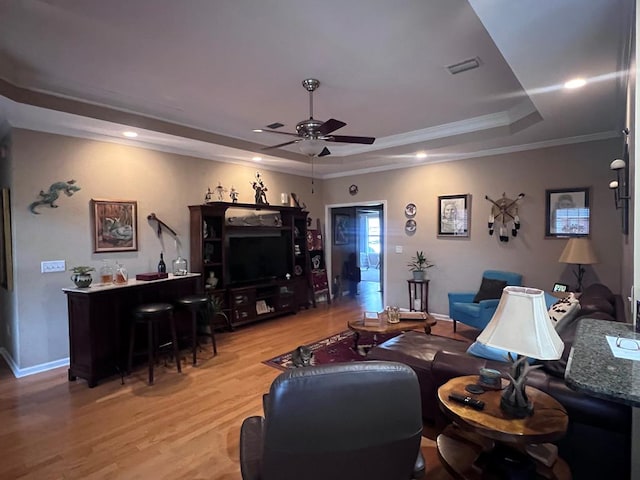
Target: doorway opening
<point>357,261</point>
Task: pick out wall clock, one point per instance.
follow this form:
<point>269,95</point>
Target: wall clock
<point>353,189</point>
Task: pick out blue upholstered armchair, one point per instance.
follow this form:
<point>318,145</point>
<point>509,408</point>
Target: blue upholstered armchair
<point>463,309</point>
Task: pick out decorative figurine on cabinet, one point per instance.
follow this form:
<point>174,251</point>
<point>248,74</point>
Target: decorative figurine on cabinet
<point>260,189</point>
<point>233,193</point>
<point>220,191</point>
<point>207,197</point>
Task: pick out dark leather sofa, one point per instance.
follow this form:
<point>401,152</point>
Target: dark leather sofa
<point>598,440</point>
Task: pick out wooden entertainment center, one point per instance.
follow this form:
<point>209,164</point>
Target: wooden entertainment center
<point>257,253</point>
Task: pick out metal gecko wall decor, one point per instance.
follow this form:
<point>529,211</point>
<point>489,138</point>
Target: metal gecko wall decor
<point>50,196</point>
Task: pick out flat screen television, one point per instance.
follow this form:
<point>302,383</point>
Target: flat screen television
<point>258,258</point>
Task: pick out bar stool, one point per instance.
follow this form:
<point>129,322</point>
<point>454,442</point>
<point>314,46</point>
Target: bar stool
<point>152,314</point>
<point>198,304</point>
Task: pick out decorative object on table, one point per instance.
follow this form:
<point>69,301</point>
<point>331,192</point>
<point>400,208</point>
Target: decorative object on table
<point>578,251</point>
<point>207,197</point>
<point>179,266</point>
<point>567,212</point>
<point>121,276</point>
<point>503,212</point>
<point>260,190</point>
<point>82,276</point>
<point>353,189</point>
<point>490,379</point>
<point>620,186</point>
<point>152,216</point>
<point>521,325</point>
<point>410,210</point>
<point>51,195</point>
<point>162,267</point>
<point>410,226</point>
<point>220,191</point>
<point>454,213</point>
<point>419,264</point>
<point>341,228</point>
<point>393,314</point>
<point>212,280</point>
<point>115,225</point>
<point>6,250</point>
<point>146,277</point>
<point>106,273</point>
<point>284,199</point>
<point>233,193</point>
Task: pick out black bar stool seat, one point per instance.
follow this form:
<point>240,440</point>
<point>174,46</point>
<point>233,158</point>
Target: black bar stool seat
<point>151,314</point>
<point>195,304</point>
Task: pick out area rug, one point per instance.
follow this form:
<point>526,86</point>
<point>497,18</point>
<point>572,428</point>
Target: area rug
<point>337,348</point>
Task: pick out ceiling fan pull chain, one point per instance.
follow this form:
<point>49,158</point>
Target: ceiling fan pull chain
<point>312,183</point>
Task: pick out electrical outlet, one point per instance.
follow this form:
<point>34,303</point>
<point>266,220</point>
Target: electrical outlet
<point>398,248</point>
<point>52,266</point>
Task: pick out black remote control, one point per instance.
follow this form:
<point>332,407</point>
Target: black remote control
<point>472,402</point>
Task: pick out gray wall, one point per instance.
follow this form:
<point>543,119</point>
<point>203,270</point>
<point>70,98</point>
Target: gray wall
<point>460,262</point>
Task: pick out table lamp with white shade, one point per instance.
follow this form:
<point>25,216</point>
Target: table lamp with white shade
<point>578,251</point>
<point>521,325</point>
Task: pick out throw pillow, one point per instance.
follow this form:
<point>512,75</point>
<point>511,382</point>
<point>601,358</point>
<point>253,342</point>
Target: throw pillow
<point>491,353</point>
<point>564,310</point>
<point>489,289</point>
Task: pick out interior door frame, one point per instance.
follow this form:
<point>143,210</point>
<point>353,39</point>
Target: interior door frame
<point>383,234</point>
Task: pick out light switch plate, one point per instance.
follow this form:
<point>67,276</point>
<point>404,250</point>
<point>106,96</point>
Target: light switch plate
<point>398,248</point>
<point>52,266</point>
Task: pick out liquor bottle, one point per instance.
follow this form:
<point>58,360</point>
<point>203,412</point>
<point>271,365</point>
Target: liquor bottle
<point>162,267</point>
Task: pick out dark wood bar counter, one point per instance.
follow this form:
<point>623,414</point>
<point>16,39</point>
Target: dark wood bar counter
<point>99,318</point>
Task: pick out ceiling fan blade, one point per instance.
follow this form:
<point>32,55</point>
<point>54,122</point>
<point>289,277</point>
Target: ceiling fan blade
<point>280,133</point>
<point>349,139</point>
<point>330,125</point>
<point>280,145</point>
<point>325,151</point>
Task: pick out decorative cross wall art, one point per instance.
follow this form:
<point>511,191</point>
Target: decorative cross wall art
<point>504,211</point>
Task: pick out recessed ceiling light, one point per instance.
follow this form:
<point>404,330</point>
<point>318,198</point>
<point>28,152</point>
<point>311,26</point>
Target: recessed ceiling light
<point>575,83</point>
<point>130,134</point>
<point>257,159</point>
<point>257,130</point>
<point>421,155</point>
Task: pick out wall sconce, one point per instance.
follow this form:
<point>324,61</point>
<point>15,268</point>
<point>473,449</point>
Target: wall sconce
<point>620,186</point>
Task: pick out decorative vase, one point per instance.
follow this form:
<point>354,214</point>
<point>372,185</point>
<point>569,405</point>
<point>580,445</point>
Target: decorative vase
<point>212,281</point>
<point>179,266</point>
<point>82,280</point>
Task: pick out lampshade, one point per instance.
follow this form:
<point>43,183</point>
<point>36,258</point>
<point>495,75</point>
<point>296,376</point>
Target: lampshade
<point>311,147</point>
<point>578,251</point>
<point>522,325</point>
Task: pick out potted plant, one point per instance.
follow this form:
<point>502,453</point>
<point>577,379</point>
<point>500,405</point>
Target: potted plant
<point>215,307</point>
<point>82,276</point>
<point>419,265</point>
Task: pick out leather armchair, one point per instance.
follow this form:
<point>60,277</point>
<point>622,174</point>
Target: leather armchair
<point>477,315</point>
<point>359,420</point>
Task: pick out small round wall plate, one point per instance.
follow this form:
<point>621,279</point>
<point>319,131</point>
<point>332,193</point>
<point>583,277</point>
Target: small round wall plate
<point>410,226</point>
<point>410,210</point>
<point>353,189</point>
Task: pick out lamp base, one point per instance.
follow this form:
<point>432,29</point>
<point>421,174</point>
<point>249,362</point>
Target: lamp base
<point>516,410</point>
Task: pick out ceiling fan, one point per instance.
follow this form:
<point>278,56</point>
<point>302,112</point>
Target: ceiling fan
<point>313,133</point>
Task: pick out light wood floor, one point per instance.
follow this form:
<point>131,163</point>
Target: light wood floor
<point>185,426</point>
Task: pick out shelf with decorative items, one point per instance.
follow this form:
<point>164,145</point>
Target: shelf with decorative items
<point>243,248</point>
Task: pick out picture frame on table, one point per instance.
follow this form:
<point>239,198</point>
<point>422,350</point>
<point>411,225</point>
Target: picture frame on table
<point>454,214</point>
<point>568,213</point>
<point>560,287</point>
<point>114,225</point>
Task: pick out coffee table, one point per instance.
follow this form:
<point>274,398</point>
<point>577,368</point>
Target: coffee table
<point>468,448</point>
<point>383,326</point>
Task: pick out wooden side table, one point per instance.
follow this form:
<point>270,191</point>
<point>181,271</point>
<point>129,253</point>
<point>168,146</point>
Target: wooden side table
<point>418,295</point>
<point>467,448</point>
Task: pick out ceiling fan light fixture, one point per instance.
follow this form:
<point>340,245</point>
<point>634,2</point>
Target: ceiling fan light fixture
<point>311,147</point>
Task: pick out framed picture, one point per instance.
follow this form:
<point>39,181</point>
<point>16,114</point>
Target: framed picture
<point>341,229</point>
<point>567,213</point>
<point>115,225</point>
<point>560,287</point>
<point>454,212</point>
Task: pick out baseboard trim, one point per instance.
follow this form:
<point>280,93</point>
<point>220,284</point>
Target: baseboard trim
<point>23,372</point>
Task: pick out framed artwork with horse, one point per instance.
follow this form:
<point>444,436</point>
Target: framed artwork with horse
<point>115,225</point>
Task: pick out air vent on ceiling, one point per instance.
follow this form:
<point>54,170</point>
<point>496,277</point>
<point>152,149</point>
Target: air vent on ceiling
<point>464,66</point>
<point>275,125</point>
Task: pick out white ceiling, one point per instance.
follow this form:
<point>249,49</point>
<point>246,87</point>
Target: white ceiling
<point>198,76</point>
